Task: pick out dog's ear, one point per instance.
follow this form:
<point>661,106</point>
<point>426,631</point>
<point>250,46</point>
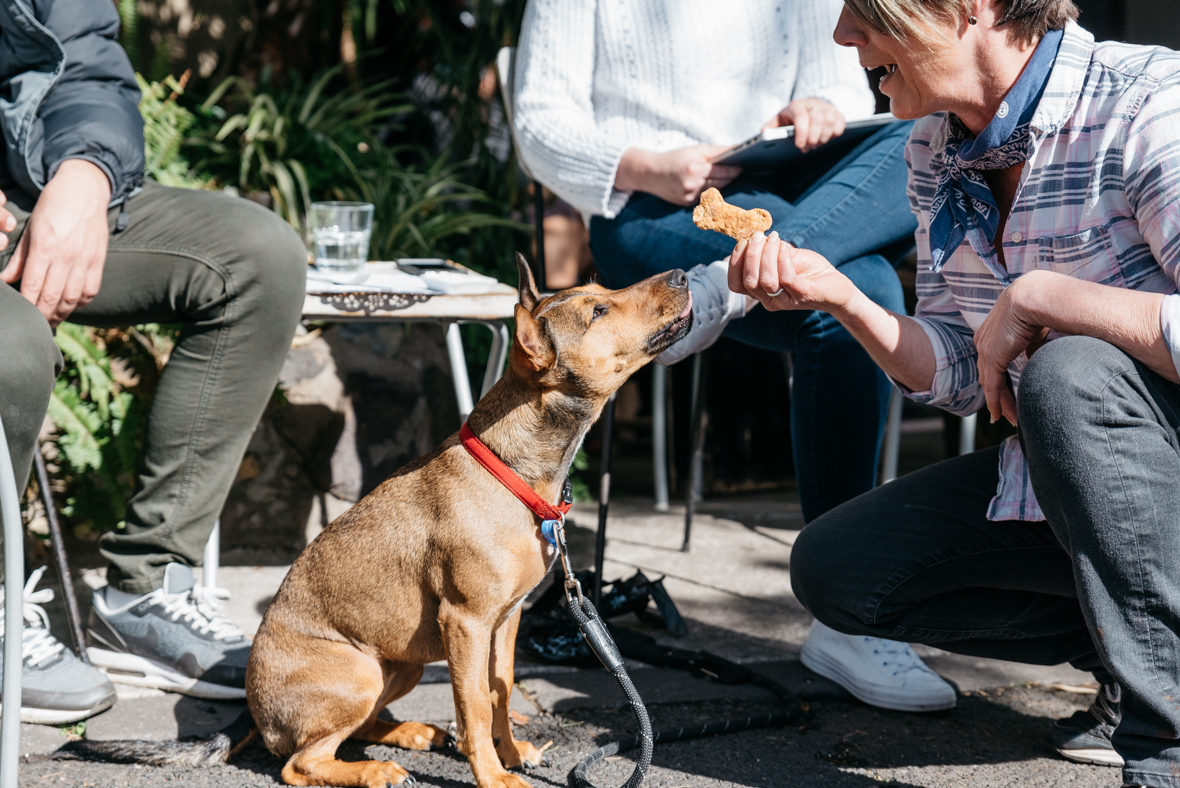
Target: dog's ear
<point>531,352</point>
<point>529,297</point>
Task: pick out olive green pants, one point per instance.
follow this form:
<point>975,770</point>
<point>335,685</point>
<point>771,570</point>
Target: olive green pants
<point>228,270</point>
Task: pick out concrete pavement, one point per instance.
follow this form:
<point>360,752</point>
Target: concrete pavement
<point>734,590</point>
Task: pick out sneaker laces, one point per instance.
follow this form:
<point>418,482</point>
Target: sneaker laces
<point>38,644</point>
<point>201,608</point>
<point>898,656</point>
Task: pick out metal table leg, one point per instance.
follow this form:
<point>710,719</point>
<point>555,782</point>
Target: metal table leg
<point>659,433</point>
<point>14,577</point>
<point>493,371</point>
<point>459,371</point>
<point>498,354</point>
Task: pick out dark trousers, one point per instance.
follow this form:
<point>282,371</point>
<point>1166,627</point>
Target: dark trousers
<point>917,560</point>
<point>231,273</point>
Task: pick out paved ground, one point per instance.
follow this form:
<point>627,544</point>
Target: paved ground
<point>734,590</point>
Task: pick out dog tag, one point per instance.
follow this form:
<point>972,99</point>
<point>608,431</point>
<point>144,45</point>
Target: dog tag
<point>549,530</point>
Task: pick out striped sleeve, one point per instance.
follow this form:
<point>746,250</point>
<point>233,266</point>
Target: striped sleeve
<point>1151,173</point>
<point>956,377</point>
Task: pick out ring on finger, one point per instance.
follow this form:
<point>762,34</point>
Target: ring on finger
<point>776,293</point>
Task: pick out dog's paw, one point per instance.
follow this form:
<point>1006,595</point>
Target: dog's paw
<point>428,737</point>
<point>521,754</point>
<point>504,780</point>
<point>385,774</point>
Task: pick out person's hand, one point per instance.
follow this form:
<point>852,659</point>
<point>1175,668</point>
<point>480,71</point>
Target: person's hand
<point>61,254</point>
<point>782,276</point>
<point>7,224</point>
<point>1006,332</point>
<point>678,176</point>
<point>815,121</point>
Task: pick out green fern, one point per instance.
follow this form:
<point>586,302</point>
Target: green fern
<point>165,124</point>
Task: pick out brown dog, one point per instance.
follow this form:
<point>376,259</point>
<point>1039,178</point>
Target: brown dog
<point>436,562</point>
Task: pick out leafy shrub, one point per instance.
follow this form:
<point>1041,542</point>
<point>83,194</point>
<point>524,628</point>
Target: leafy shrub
<point>165,124</point>
<point>290,144</point>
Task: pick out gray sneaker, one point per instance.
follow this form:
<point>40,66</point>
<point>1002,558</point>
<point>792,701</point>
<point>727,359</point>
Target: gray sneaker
<point>1085,736</point>
<point>56,686</point>
<point>174,638</point>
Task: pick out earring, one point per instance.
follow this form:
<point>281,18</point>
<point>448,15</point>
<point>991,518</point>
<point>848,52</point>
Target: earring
<point>972,20</point>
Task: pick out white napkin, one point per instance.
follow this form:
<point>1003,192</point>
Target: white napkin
<point>388,278</point>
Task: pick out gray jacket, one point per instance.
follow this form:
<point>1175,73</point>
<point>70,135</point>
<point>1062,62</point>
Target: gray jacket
<point>67,91</point>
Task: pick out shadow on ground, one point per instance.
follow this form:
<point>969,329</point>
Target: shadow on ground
<point>987,742</point>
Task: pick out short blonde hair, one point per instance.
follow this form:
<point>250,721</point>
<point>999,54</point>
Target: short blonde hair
<point>908,20</point>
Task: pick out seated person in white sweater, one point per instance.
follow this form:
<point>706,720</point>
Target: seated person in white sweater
<point>619,106</point>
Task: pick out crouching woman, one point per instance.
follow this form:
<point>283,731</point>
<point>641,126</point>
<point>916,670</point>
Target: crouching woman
<point>1045,177</point>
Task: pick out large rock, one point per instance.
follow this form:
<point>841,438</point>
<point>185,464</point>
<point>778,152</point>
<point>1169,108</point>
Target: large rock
<point>358,401</point>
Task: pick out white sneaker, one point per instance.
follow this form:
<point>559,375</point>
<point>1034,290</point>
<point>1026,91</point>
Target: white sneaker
<point>713,306</point>
<point>879,672</point>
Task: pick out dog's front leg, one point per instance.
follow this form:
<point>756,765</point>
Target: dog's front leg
<point>501,676</point>
<point>468,641</point>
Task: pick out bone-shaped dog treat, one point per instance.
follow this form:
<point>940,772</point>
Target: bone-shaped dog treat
<point>714,213</point>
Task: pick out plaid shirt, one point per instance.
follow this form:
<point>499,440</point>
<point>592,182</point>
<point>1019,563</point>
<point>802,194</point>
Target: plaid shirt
<point>1099,199</point>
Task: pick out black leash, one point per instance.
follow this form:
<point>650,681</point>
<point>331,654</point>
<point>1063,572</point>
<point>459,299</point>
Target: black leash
<point>645,649</point>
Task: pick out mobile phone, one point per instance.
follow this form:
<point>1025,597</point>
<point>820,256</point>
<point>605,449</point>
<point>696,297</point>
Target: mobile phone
<point>419,265</point>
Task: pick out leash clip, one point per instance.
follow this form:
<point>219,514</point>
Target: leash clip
<point>554,531</point>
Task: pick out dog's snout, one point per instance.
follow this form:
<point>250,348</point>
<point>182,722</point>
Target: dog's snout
<point>677,279</point>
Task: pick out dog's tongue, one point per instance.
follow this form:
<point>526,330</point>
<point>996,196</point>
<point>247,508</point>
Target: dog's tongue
<point>687,307</point>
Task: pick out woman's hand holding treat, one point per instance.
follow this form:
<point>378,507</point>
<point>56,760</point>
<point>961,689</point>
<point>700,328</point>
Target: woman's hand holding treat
<point>783,277</point>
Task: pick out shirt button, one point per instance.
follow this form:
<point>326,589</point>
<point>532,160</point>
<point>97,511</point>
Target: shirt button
<point>1017,237</point>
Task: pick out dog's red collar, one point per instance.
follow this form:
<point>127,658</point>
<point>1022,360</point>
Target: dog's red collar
<point>496,467</point>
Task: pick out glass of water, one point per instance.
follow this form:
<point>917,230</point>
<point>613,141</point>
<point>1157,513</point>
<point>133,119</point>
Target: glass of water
<point>341,231</point>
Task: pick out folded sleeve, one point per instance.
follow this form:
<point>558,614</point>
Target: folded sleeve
<point>1151,174</point>
<point>556,133</point>
<point>93,111</point>
<point>955,387</point>
<point>827,70</point>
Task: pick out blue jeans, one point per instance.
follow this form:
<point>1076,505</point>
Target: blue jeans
<point>854,211</point>
<point>1096,585</point>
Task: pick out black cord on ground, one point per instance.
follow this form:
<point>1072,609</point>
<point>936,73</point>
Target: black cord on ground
<point>603,645</point>
<point>699,662</point>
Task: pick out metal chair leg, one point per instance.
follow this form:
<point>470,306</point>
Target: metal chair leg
<point>212,560</point>
<point>697,466</point>
<point>14,577</point>
<point>540,275</point>
<point>892,438</point>
<point>65,579</point>
<point>659,433</point>
<point>608,428</point>
<point>967,434</point>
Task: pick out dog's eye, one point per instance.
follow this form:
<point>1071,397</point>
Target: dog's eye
<point>599,311</point>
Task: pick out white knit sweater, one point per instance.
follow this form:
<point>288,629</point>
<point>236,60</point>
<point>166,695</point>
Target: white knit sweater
<point>596,77</point>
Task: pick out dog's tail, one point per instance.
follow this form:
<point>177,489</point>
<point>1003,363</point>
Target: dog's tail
<point>210,751</point>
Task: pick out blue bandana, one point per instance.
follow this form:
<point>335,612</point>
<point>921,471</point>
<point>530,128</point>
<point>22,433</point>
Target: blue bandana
<point>964,201</point>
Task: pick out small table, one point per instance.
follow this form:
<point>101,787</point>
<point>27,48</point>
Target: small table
<point>489,309</point>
